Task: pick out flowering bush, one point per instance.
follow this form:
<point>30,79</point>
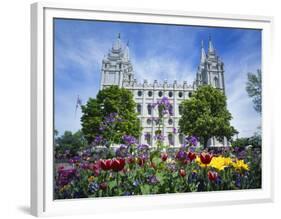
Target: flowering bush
<point>140,169</point>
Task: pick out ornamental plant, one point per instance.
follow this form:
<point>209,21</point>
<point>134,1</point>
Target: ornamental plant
<point>146,170</point>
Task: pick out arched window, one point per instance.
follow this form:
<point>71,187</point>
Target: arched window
<point>180,94</point>
<point>160,93</point>
<point>150,93</point>
<point>216,80</point>
<point>148,121</point>
<point>170,93</point>
<point>189,94</point>
<point>171,139</point>
<point>139,108</point>
<point>139,93</point>
<point>149,109</point>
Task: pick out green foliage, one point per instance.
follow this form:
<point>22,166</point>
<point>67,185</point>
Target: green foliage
<point>205,115</point>
<point>110,100</point>
<point>255,141</point>
<point>73,142</point>
<point>254,89</point>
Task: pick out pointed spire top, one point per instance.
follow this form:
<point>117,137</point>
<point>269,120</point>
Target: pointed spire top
<point>127,52</point>
<point>211,46</point>
<point>203,54</point>
<point>117,43</point>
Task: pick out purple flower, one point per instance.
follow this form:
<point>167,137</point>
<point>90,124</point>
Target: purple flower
<point>129,140</point>
<point>181,155</point>
<point>147,136</point>
<point>159,137</point>
<point>143,150</point>
<point>174,130</point>
<point>191,140</point>
<point>152,180</point>
<point>122,151</point>
<point>85,165</point>
<point>65,176</point>
<point>143,147</point>
<point>111,118</point>
<point>98,140</point>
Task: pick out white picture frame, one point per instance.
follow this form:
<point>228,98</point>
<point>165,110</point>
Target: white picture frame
<point>42,203</point>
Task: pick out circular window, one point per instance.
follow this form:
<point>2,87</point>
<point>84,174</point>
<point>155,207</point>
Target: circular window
<point>170,121</point>
<point>160,93</point>
<point>190,94</point>
<point>180,94</point>
<point>170,94</point>
<point>150,93</point>
<point>148,121</point>
<point>139,93</point>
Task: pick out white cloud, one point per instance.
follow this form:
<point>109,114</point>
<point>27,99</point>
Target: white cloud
<point>163,68</point>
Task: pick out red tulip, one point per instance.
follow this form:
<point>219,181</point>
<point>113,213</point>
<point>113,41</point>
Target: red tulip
<point>212,175</point>
<point>164,156</point>
<point>182,172</point>
<point>191,156</point>
<point>106,164</point>
<point>117,164</point>
<point>206,158</point>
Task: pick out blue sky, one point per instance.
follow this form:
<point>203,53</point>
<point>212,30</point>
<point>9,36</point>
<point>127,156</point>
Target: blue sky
<point>157,52</point>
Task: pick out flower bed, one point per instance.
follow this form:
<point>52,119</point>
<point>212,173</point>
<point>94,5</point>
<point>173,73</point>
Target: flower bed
<point>139,169</point>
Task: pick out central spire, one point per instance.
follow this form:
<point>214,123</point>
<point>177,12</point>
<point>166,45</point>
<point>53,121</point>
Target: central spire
<point>211,47</point>
<point>127,52</point>
<point>117,43</point>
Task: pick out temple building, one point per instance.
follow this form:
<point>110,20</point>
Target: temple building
<point>117,69</point>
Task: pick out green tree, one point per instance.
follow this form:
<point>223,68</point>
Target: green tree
<point>205,115</point>
<point>112,100</point>
<point>70,141</point>
<point>254,89</point>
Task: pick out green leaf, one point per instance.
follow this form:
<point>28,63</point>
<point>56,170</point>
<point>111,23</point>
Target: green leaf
<point>145,189</point>
<point>112,184</point>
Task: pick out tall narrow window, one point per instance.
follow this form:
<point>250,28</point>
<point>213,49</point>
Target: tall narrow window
<point>149,109</point>
<point>216,80</point>
<point>171,139</point>
<point>139,108</point>
<point>147,137</point>
<point>180,109</point>
<point>181,138</point>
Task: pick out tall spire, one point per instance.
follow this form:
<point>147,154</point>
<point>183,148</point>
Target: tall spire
<point>127,52</point>
<point>203,54</point>
<point>117,44</point>
<point>211,47</point>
